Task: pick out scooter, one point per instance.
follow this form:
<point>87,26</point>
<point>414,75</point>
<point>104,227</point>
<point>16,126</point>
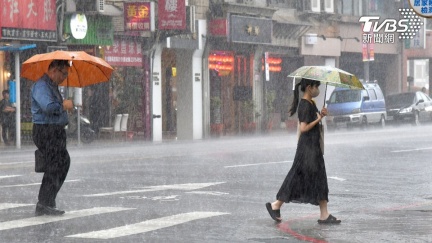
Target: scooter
<point>87,134</point>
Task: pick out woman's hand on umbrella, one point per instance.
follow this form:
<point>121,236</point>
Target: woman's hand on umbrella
<point>324,112</point>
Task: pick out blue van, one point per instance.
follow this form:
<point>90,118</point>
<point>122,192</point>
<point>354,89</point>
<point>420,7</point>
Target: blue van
<point>348,107</point>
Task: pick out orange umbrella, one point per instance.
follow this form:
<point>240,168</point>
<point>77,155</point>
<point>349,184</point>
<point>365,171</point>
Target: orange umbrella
<point>85,69</point>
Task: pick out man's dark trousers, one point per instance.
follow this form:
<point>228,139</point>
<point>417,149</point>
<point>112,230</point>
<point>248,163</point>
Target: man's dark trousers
<point>51,141</point>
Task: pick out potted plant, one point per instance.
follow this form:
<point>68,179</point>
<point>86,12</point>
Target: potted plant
<point>248,113</point>
<point>129,97</point>
<point>216,125</point>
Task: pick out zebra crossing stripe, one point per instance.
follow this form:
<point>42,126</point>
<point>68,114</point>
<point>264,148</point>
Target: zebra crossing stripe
<point>12,205</point>
<point>184,187</point>
<point>8,176</point>
<point>147,226</point>
<point>21,223</point>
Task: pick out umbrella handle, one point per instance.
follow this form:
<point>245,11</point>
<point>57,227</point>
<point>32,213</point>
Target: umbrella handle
<point>325,94</point>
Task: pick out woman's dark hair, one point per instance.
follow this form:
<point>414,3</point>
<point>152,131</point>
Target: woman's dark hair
<point>303,83</point>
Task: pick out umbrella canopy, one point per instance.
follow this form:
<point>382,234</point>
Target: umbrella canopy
<point>85,69</point>
<point>329,75</point>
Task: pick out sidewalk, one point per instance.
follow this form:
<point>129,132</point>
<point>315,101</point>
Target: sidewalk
<point>409,223</point>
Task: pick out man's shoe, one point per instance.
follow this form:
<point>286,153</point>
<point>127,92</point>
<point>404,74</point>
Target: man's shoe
<point>46,210</point>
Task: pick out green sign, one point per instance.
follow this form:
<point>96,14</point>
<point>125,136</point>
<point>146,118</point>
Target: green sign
<point>99,31</point>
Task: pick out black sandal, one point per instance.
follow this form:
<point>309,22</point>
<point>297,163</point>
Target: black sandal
<point>330,220</point>
<point>274,214</point>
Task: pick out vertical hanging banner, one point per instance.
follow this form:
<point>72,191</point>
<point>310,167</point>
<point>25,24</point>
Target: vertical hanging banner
<point>368,44</point>
<point>137,16</point>
<point>266,66</point>
<point>172,15</point>
<point>28,20</point>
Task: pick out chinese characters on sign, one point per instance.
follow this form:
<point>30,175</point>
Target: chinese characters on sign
<point>28,19</point>
<point>137,16</point>
<point>250,29</point>
<point>422,7</point>
<point>381,38</point>
<point>124,53</point>
<point>172,14</point>
<point>28,34</point>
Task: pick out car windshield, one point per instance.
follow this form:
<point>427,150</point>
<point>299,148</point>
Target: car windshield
<point>400,99</point>
<point>342,96</point>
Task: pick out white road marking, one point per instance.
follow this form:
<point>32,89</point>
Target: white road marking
<point>32,184</point>
<point>185,187</point>
<point>21,223</point>
<point>336,178</point>
<point>9,176</point>
<point>14,163</point>
<point>209,193</point>
<point>13,205</point>
<point>410,150</point>
<point>266,163</point>
<point>147,226</point>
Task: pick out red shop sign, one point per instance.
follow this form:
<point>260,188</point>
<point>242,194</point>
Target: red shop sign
<point>137,16</point>
<point>218,27</point>
<point>124,53</point>
<point>172,14</point>
<point>28,19</point>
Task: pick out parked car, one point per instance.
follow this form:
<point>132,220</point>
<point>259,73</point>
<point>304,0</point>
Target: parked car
<point>414,107</point>
<point>348,108</point>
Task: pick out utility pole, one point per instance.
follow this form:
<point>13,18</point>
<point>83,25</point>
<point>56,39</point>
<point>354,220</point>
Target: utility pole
<point>366,62</point>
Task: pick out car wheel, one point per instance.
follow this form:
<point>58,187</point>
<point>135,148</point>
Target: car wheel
<point>364,123</point>
<point>382,122</point>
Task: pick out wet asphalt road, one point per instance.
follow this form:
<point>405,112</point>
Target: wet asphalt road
<point>215,190</point>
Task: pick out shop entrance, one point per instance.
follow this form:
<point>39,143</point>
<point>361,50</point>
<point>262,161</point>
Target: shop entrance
<point>169,94</point>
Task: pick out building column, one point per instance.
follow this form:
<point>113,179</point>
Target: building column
<point>190,98</point>
<point>156,85</point>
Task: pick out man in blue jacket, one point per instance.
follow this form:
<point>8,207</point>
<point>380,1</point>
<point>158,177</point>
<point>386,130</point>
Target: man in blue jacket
<point>49,115</point>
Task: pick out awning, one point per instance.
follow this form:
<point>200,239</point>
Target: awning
<point>288,26</point>
<point>17,47</point>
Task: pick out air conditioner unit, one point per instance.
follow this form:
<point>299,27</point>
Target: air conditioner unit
<point>310,39</point>
<point>329,6</point>
<point>316,5</point>
<point>70,6</point>
<point>100,5</point>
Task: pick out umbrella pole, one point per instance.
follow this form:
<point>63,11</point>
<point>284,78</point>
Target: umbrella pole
<point>79,125</point>
<point>325,94</point>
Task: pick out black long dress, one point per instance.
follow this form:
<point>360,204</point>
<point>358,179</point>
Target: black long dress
<point>306,181</point>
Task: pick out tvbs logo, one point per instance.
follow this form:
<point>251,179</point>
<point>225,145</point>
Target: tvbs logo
<point>408,26</point>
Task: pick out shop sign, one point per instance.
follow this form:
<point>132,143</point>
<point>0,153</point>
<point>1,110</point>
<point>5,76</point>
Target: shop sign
<point>124,52</point>
<point>99,31</point>
<point>28,20</point>
<point>218,27</point>
<point>172,14</point>
<point>137,16</point>
<point>78,26</point>
<point>250,30</point>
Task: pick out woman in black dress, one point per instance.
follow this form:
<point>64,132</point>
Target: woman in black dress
<point>306,181</point>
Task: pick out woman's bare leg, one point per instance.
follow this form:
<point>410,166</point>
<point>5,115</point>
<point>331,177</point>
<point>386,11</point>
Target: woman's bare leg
<point>323,210</point>
<point>277,204</point>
